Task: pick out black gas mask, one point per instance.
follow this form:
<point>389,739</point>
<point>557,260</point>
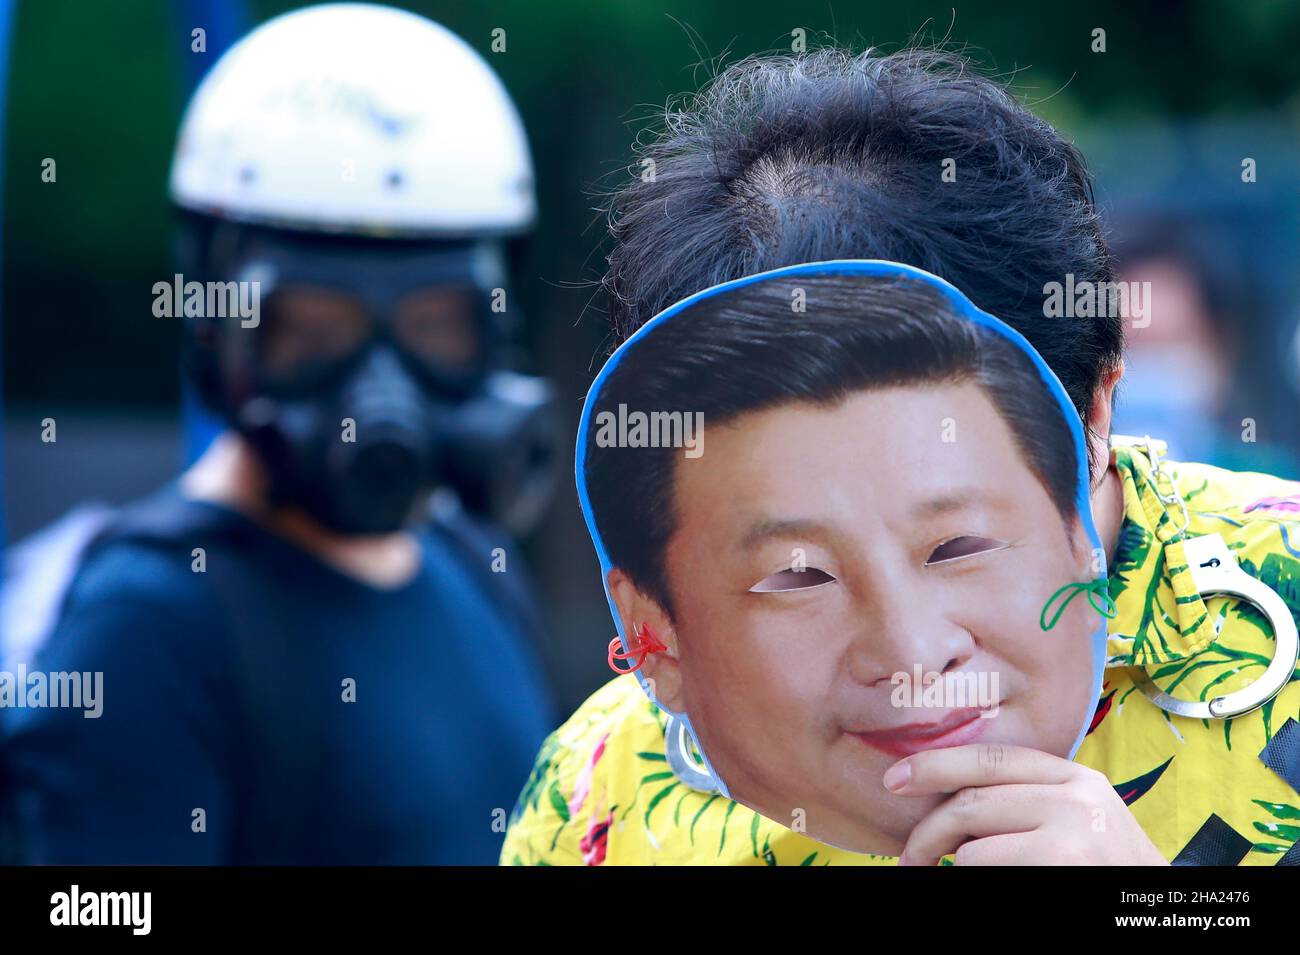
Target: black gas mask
<point>376,372</point>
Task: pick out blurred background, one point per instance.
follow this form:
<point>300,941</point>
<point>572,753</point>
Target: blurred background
<point>1182,95</point>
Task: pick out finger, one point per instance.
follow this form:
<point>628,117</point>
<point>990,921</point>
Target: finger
<point>975,813</point>
<point>975,764</point>
<point>1011,848</point>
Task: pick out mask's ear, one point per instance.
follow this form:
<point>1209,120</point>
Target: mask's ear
<point>662,670</point>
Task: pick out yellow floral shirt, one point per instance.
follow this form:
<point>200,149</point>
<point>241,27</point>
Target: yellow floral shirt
<point>1205,791</point>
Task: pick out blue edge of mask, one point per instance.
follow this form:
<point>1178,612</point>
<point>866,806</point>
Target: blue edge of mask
<point>875,267</point>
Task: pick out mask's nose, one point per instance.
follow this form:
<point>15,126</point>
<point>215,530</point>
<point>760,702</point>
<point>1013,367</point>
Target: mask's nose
<point>900,627</point>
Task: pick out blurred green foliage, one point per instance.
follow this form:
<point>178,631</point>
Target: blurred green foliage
<point>96,85</point>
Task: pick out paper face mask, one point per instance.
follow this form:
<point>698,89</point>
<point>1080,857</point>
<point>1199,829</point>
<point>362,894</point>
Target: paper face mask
<point>832,504</point>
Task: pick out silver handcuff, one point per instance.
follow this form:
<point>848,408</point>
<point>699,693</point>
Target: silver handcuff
<point>1215,572</point>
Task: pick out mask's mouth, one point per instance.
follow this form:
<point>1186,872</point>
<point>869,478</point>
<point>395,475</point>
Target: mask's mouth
<point>957,727</point>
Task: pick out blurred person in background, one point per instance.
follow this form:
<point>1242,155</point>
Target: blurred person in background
<point>1191,366</point>
<point>317,645</point>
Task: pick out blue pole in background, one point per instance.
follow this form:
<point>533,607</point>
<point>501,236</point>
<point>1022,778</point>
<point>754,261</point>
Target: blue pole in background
<point>6,34</point>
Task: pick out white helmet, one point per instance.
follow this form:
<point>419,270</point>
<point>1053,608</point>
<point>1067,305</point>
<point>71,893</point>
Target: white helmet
<point>355,118</point>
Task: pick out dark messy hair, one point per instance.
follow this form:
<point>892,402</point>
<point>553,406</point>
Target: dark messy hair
<point>835,155</point>
<point>747,350</point>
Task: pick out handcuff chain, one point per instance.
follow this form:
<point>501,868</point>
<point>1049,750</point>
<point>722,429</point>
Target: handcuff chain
<point>1158,476</point>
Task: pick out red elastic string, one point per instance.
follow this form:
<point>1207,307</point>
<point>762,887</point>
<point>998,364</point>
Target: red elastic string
<point>647,643</point>
<point>648,640</point>
<point>615,655</point>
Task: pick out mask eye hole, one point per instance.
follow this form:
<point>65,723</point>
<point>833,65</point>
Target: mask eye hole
<point>791,579</point>
<point>961,547</point>
<point>308,333</point>
<point>438,326</point>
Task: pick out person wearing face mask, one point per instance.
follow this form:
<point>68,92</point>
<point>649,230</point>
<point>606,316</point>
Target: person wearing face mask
<point>798,579</point>
<point>782,167</point>
<point>317,646</point>
<point>1191,371</point>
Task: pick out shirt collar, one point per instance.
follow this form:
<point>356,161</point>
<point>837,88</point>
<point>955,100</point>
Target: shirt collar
<point>1160,616</point>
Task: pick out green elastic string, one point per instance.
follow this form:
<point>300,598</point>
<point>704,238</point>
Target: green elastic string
<point>1098,589</point>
